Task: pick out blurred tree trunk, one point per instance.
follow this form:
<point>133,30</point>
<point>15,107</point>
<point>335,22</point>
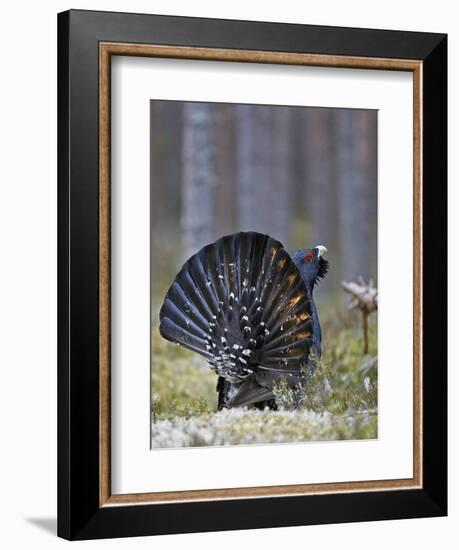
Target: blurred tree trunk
<point>356,142</point>
<point>199,176</point>
<point>281,175</point>
<point>301,229</point>
<point>320,175</point>
<point>165,171</point>
<point>253,150</point>
<point>225,166</point>
<point>373,195</point>
<point>157,147</point>
<point>165,182</point>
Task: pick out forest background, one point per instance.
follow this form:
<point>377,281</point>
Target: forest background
<point>305,176</point>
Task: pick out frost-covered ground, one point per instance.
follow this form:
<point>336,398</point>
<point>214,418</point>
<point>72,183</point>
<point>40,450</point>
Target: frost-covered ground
<point>243,427</point>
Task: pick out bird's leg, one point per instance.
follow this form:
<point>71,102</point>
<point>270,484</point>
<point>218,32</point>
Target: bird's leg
<point>221,393</point>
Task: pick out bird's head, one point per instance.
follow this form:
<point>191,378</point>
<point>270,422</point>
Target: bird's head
<point>311,263</point>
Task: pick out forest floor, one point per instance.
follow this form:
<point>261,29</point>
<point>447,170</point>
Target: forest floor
<point>340,401</point>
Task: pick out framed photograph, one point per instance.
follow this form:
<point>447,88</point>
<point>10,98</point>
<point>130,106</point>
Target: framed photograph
<point>252,274</point>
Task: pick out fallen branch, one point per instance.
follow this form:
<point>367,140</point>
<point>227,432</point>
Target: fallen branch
<point>363,297</point>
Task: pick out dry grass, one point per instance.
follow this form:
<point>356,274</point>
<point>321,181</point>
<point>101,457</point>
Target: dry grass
<point>338,402</point>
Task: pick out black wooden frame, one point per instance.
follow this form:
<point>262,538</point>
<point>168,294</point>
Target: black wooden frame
<point>79,513</point>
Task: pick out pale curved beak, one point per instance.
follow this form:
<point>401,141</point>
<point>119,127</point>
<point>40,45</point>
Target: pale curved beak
<point>320,250</point>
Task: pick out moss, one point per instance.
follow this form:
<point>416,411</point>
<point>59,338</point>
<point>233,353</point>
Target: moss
<point>182,384</point>
<point>339,400</point>
<point>243,427</point>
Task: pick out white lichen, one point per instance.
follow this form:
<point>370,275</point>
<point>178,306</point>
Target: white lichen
<point>243,426</point>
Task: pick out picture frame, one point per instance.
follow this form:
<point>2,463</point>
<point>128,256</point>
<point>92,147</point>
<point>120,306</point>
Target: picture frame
<point>87,41</point>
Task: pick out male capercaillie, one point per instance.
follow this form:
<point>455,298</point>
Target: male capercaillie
<point>247,306</point>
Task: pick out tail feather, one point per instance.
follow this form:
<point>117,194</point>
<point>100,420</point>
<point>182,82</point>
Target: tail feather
<point>249,392</point>
<point>241,303</point>
<point>175,333</point>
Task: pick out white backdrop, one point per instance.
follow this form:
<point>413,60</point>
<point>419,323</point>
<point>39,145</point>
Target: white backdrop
<point>135,468</point>
<point>28,271</point>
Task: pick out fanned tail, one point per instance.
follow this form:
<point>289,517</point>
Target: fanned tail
<point>241,303</point>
